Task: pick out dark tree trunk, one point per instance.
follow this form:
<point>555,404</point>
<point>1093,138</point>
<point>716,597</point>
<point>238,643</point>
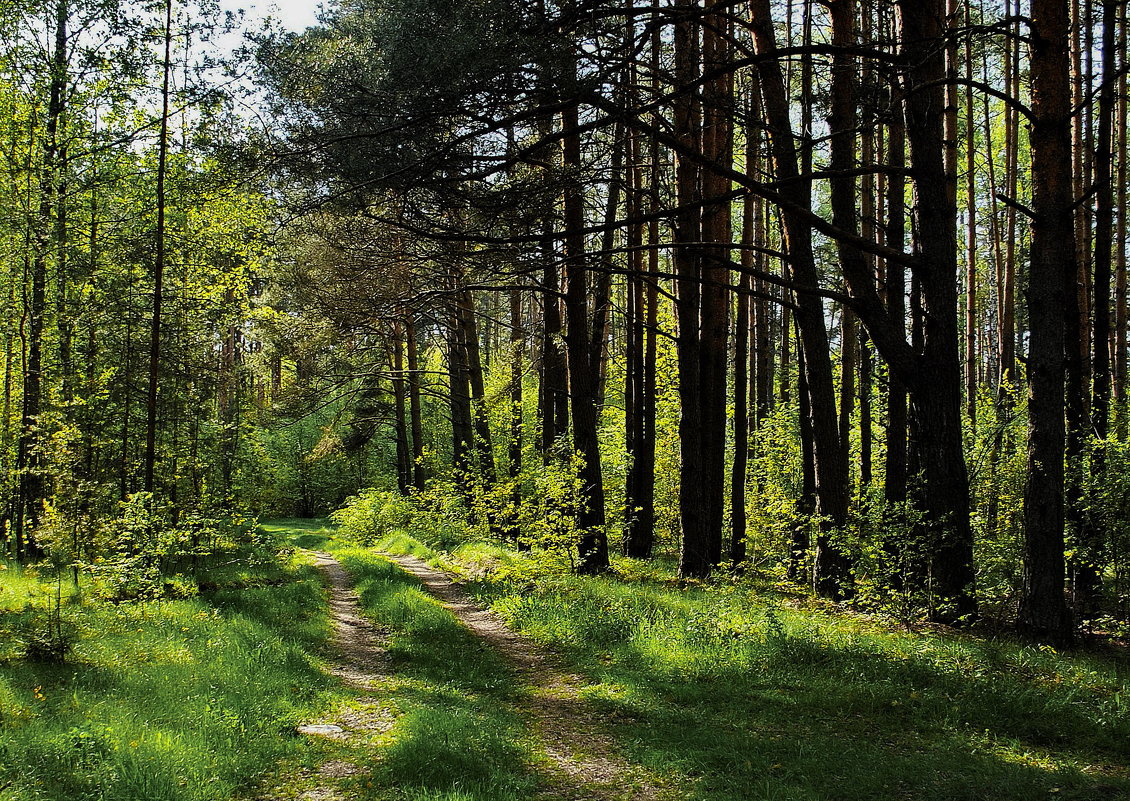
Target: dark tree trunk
<point>936,388</point>
<point>29,462</point>
<point>593,545</point>
<point>1043,609</point>
<point>459,394</point>
<point>695,552</point>
<point>484,447</point>
<point>895,467</point>
<point>403,451</point>
<point>554,394</point>
<point>158,263</point>
<point>832,577</point>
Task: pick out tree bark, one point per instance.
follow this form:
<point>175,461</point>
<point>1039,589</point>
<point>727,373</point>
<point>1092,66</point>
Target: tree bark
<point>1043,611</point>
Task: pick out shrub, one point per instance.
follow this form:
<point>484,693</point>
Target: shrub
<point>45,635</point>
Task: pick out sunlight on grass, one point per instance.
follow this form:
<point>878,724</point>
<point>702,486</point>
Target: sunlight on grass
<point>455,736</point>
<point>734,689</point>
<point>155,700</point>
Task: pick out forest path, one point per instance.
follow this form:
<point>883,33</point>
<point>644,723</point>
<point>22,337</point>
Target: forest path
<point>362,664</point>
<point>570,753</point>
<point>583,762</point>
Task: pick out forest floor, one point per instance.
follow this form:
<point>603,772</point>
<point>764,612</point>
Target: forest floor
<point>335,672</point>
<point>564,752</point>
<point>517,682</point>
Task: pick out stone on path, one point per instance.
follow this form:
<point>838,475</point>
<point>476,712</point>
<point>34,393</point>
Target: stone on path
<point>322,730</point>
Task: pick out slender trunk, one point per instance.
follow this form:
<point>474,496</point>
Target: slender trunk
<point>970,238</point>
<point>936,390</point>
<point>403,451</point>
<point>741,384</point>
<point>831,468</point>
<point>593,544</point>
<point>895,468</point>
<point>419,472</point>
<point>28,458</point>
<point>806,504</point>
<point>158,262</point>
<point>484,447</point>
<point>1120,304</point>
<point>1104,225</point>
<point>695,552</point>
<point>459,393</point>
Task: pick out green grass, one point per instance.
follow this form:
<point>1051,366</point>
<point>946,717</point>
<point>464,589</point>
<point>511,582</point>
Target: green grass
<point>156,700</point>
<point>456,737</point>
<point>746,696</point>
<point>725,693</point>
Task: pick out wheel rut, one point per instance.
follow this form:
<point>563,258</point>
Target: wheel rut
<point>582,760</point>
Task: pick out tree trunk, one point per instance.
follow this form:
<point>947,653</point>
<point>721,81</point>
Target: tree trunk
<point>158,262</point>
<point>415,412</point>
<point>1043,610</point>
<point>831,577</point>
<point>593,545</point>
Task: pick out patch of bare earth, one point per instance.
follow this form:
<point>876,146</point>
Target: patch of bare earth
<point>584,764</point>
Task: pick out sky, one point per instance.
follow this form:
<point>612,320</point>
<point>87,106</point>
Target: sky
<point>295,15</point>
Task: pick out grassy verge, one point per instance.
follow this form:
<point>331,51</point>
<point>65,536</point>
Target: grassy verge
<point>155,702</point>
<point>751,696</point>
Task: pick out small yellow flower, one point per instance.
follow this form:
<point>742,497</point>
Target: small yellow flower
<point>37,694</point>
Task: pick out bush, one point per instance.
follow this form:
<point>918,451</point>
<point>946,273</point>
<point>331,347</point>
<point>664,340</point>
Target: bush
<point>45,635</point>
<point>373,515</point>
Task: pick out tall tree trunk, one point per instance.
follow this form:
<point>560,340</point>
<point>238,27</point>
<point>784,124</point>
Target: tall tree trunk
<point>29,461</point>
<point>830,467</point>
<point>936,388</point>
<point>593,545</point>
<point>459,392</point>
<point>1086,577</point>
<point>1043,610</point>
<point>1120,303</point>
<point>484,447</point>
<point>970,236</point>
<point>403,450</point>
<point>158,262</point>
<point>695,552</point>
<point>415,412</point>
<point>714,316</point>
<point>517,426</point>
<point>895,468</point>
<point>741,377</point>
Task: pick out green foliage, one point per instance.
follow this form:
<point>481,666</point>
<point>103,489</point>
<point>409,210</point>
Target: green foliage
<point>144,550</point>
<point>373,515</point>
<point>1105,485</point>
<point>890,548</point>
<point>536,509</point>
<point>774,486</point>
<point>998,468</point>
<point>45,635</point>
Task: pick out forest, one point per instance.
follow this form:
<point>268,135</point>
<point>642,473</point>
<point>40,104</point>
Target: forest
<point>697,339</point>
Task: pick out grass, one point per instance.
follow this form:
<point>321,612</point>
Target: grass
<point>456,737</point>
<point>743,695</point>
<point>724,692</point>
<point>154,701</point>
